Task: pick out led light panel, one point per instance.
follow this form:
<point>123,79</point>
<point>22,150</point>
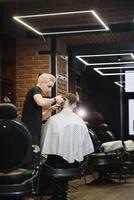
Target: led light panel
<point>98,70</point>
<point>21,19</point>
<point>119,83</point>
<point>81,58</point>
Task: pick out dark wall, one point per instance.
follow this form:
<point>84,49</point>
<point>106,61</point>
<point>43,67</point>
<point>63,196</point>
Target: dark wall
<point>101,95</point>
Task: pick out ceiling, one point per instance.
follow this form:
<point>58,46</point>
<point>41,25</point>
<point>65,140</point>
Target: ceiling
<point>118,16</point>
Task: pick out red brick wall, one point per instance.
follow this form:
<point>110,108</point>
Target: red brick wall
<point>62,68</point>
<point>28,65</point>
<point>62,75</point>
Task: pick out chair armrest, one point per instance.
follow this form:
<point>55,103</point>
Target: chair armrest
<point>36,148</point>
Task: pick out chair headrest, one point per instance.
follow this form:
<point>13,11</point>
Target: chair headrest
<point>103,126</point>
<point>15,145</point>
<point>8,111</point>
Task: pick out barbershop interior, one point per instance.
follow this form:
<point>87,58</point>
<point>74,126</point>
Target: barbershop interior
<point>88,46</point>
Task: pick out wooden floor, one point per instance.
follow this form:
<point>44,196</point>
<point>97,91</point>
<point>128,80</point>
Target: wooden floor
<point>78,190</point>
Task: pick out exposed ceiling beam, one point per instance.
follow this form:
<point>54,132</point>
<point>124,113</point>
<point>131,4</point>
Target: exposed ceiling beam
<point>91,48</point>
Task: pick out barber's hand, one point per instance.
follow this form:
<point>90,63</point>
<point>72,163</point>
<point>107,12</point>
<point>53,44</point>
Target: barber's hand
<point>59,99</point>
<point>54,107</point>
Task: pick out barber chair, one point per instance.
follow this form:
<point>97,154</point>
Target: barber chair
<point>129,157</point>
<point>58,176</point>
<point>104,164</point>
<point>17,168</point>
<point>104,134</point>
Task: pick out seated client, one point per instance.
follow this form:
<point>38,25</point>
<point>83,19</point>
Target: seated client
<point>65,138</point>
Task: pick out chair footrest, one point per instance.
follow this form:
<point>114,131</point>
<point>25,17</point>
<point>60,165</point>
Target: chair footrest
<point>15,189</point>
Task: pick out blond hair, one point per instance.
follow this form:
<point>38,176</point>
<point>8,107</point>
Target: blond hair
<point>46,78</point>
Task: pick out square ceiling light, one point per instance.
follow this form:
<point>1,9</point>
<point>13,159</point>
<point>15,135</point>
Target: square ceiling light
<point>120,83</point>
<point>107,59</point>
<point>63,22</point>
<point>100,69</point>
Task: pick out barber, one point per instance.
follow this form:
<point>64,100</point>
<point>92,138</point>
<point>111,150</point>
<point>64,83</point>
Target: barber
<point>34,101</point>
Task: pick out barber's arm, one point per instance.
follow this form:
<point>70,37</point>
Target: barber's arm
<point>46,114</point>
<point>47,101</point>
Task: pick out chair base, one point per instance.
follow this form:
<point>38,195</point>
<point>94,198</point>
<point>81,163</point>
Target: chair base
<point>102,181</point>
<point>15,190</point>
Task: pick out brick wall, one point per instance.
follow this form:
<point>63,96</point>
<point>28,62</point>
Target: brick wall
<point>62,68</point>
<point>62,75</point>
<point>28,65</point>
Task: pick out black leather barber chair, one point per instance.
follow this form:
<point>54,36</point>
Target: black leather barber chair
<point>17,169</point>
<point>102,164</point>
<point>104,134</point>
<point>129,157</point>
<point>58,172</point>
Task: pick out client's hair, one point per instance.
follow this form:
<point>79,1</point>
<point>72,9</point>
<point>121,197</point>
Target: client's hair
<point>71,98</point>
